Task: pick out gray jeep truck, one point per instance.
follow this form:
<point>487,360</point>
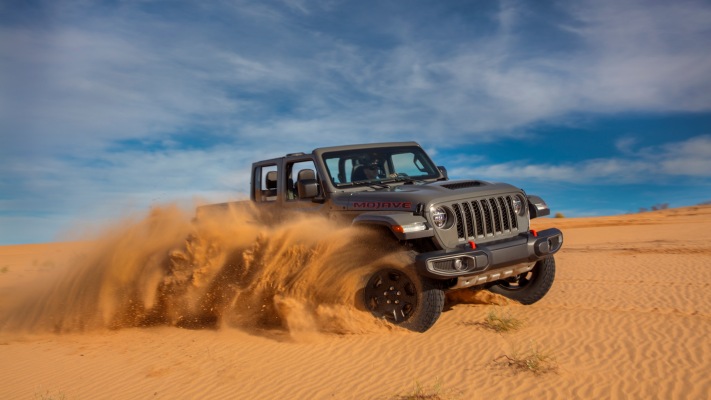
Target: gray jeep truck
<point>459,234</point>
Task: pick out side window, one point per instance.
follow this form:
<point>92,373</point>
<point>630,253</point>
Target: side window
<point>265,187</point>
<point>295,172</point>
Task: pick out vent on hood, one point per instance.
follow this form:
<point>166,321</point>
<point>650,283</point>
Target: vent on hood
<point>463,185</point>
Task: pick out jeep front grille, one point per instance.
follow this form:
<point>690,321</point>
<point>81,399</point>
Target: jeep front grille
<point>485,217</point>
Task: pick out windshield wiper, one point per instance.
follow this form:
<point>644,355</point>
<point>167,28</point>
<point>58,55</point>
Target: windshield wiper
<point>381,183</point>
<point>401,178</point>
<point>372,183</point>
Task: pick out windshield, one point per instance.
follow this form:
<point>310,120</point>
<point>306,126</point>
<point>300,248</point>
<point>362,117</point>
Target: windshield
<point>379,165</point>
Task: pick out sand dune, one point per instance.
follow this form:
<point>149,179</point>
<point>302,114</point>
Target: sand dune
<point>628,317</point>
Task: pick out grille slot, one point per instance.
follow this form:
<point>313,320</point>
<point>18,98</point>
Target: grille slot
<point>482,218</point>
<point>460,220</point>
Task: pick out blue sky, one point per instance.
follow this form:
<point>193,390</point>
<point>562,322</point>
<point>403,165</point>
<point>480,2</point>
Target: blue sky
<point>106,108</point>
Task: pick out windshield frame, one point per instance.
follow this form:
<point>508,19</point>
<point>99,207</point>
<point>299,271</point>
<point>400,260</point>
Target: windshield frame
<point>391,163</point>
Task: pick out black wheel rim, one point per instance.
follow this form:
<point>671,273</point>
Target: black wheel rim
<point>392,295</point>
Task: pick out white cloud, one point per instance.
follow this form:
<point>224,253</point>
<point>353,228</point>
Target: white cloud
<point>601,170</point>
<point>689,158</point>
<point>626,144</point>
<point>107,76</point>
<point>643,55</point>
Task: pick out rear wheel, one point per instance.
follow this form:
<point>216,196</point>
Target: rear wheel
<point>529,287</point>
<point>404,298</point>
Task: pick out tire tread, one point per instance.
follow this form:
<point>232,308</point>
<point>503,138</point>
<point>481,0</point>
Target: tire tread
<point>537,289</point>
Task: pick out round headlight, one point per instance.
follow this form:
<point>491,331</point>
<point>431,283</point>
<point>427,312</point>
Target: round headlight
<point>517,204</point>
<point>439,217</point>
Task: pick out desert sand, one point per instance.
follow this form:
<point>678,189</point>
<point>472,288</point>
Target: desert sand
<point>628,316</point>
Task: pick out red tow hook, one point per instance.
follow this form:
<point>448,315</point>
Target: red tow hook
<point>534,233</point>
<point>472,245</point>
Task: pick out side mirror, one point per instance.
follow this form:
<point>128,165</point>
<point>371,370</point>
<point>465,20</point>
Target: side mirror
<point>443,171</point>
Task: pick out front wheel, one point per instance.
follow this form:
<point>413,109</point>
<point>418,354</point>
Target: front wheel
<point>529,287</point>
<point>404,298</point>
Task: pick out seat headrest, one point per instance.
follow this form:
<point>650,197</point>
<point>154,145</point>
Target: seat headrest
<point>306,174</point>
<point>271,180</point>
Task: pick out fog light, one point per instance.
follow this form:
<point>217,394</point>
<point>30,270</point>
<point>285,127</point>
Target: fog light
<point>461,264</point>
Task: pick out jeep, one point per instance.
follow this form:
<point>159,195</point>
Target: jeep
<point>458,234</point>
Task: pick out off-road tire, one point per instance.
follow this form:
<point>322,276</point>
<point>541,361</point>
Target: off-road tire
<point>420,300</point>
<point>531,286</point>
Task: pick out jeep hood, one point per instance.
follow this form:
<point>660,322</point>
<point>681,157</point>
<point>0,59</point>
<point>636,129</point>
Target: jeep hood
<point>403,197</point>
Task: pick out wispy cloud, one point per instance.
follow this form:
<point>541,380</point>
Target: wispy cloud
<point>689,158</point>
<point>100,75</point>
<point>684,159</point>
<point>643,55</point>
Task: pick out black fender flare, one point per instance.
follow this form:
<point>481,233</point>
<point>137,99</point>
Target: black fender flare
<point>537,207</point>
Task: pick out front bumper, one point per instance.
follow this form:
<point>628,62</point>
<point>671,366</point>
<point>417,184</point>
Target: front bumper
<point>491,261</point>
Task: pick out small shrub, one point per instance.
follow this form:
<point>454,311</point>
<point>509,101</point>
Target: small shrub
<point>435,392</point>
<point>559,215</point>
<point>4,269</point>
<point>656,207</point>
<point>51,396</point>
<point>533,360</point>
<point>502,321</point>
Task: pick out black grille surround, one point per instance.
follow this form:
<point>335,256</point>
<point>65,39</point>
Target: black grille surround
<point>482,218</point>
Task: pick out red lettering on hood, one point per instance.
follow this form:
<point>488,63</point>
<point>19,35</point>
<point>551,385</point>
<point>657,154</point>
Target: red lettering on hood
<point>382,204</point>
